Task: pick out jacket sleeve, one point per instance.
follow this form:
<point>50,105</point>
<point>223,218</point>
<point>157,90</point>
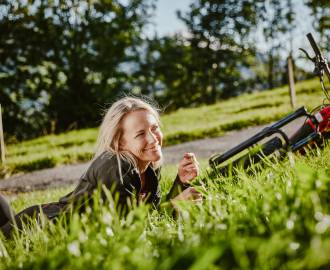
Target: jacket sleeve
<point>123,190</point>
<point>176,188</point>
<point>102,172</point>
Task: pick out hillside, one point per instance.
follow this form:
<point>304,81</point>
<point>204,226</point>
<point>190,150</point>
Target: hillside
<point>180,126</point>
<point>274,215</point>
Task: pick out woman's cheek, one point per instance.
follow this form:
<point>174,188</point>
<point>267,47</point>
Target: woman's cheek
<point>160,138</point>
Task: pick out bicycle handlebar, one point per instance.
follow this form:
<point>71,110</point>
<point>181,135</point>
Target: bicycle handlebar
<point>319,59</point>
<point>314,45</point>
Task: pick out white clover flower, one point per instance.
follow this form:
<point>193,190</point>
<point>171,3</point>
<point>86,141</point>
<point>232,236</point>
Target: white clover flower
<point>270,176</point>
<point>221,226</point>
<point>294,245</point>
<point>109,232</point>
<point>278,196</point>
<point>125,250</point>
<point>155,253</point>
<point>102,241</point>
<point>289,183</point>
<point>323,225</point>
<point>290,224</point>
<point>266,206</point>
<point>74,248</point>
<point>107,218</point>
<point>318,216</point>
<point>143,236</point>
<point>82,237</point>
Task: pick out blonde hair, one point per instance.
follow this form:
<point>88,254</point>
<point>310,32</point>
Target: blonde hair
<point>110,131</point>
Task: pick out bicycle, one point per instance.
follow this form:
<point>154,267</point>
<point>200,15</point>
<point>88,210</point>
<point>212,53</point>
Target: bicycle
<point>313,132</point>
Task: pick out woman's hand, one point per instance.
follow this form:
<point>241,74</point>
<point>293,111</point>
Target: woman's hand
<point>188,194</point>
<point>188,168</point>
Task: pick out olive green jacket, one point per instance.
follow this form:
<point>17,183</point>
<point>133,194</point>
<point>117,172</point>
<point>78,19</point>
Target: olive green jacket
<point>104,170</point>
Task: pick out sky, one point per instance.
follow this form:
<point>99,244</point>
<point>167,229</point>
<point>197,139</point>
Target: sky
<point>166,21</point>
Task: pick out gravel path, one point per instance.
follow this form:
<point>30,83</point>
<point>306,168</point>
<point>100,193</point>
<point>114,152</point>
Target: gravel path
<point>69,174</point>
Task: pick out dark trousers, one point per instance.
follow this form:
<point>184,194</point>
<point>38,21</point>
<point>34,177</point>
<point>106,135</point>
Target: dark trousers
<point>20,219</point>
<point>50,211</point>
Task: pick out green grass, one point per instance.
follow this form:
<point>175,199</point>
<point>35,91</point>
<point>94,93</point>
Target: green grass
<point>272,218</point>
<point>180,126</point>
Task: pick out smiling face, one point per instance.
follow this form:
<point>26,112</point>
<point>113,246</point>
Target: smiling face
<point>142,136</point>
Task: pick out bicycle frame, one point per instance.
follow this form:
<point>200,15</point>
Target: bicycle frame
<point>316,127</point>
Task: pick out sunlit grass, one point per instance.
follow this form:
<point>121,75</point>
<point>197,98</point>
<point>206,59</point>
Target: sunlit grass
<point>272,218</point>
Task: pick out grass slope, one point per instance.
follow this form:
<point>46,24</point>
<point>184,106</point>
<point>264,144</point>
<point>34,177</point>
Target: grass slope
<point>180,126</point>
<point>274,218</point>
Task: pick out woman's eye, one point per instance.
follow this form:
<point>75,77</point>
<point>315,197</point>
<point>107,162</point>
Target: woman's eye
<point>139,135</point>
<point>155,127</point>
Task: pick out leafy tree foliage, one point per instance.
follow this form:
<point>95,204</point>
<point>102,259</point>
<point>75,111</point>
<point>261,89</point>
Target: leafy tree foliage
<point>165,72</point>
<point>218,47</point>
<point>277,18</point>
<point>320,10</point>
<point>61,59</point>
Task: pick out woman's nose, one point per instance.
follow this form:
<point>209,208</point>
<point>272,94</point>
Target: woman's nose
<point>151,138</point>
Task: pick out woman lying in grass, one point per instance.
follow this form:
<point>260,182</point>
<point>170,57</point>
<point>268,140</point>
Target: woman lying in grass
<point>127,162</point>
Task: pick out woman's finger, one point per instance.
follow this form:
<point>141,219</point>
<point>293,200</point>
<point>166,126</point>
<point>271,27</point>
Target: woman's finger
<point>192,157</point>
<point>189,158</point>
<point>191,163</point>
<point>186,162</point>
<point>193,171</point>
<point>190,176</point>
<point>190,167</point>
<point>189,155</point>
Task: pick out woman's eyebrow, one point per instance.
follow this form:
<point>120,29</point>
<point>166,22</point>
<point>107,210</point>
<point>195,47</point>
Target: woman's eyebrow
<point>139,131</point>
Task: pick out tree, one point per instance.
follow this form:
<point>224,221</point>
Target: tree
<point>164,72</point>
<point>277,21</point>
<point>320,11</point>
<point>219,31</point>
<point>62,59</point>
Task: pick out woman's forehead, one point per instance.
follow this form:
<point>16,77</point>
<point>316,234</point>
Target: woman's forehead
<point>138,119</point>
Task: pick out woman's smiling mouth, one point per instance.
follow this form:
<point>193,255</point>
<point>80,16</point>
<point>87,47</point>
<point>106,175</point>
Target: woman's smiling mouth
<point>152,149</point>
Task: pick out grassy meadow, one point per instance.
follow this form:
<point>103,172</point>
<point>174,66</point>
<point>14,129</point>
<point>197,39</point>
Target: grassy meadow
<point>272,217</point>
<point>277,217</point>
<point>180,126</point>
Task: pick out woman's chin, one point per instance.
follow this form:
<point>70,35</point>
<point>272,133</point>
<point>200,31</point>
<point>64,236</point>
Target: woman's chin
<point>155,157</point>
<point>151,155</point>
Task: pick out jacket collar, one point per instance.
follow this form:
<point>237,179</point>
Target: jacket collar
<point>151,178</point>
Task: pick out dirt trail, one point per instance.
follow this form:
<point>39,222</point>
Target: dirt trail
<point>69,174</point>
